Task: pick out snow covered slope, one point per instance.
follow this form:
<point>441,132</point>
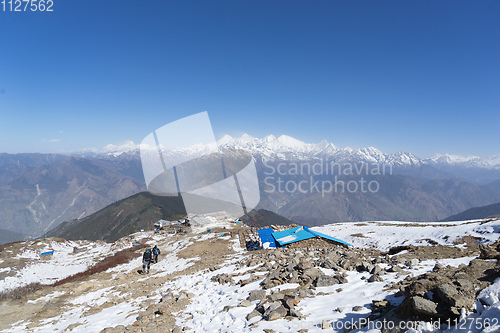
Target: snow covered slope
<point>203,280</point>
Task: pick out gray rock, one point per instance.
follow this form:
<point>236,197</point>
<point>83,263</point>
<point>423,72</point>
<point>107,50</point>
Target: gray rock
<point>465,284</point>
<point>377,270</point>
<point>306,293</point>
<point>437,267</point>
<point>253,314</point>
<point>222,279</point>
<point>245,303</point>
<point>257,295</point>
<point>394,269</point>
<point>424,306</point>
<point>413,262</point>
<point>340,309</point>
<point>375,278</point>
<point>365,267</point>
<point>271,306</point>
<point>312,273</point>
<point>276,296</point>
<point>447,293</point>
<point>357,308</point>
<point>325,281</point>
<point>378,306</point>
<point>450,296</point>
<point>304,264</point>
<point>291,303</point>
<point>295,313</point>
<point>182,296</point>
<point>276,313</point>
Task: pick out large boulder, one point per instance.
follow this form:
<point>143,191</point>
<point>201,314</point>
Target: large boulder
<point>425,307</point>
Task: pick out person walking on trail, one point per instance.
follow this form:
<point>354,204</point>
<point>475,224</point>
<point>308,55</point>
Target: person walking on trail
<point>146,261</point>
<point>156,252</point>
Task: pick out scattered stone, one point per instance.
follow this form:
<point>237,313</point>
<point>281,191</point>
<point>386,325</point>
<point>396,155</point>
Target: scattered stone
<point>256,295</point>
<point>358,308</point>
<point>276,296</point>
<point>291,303</point>
<point>306,293</point>
<point>379,305</point>
<point>340,309</point>
<point>295,313</point>
<point>377,270</point>
<point>312,273</point>
<point>413,262</point>
<point>325,324</point>
<point>437,267</point>
<point>375,278</point>
<point>253,314</point>
<point>365,267</point>
<point>182,296</point>
<point>245,303</point>
<point>222,278</point>
<point>276,313</point>
<point>488,252</point>
<point>325,281</point>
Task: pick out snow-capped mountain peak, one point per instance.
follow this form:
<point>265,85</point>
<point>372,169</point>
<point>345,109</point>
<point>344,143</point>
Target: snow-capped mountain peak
<point>226,139</point>
<point>286,147</point>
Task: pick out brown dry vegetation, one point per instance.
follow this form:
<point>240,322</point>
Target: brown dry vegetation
<point>120,257</point>
<point>3,246</point>
<point>20,292</point>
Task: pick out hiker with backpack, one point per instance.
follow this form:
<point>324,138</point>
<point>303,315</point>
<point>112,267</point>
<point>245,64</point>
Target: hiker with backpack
<point>156,252</point>
<point>146,260</point>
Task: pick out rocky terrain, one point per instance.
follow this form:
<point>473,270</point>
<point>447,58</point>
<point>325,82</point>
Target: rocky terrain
<point>205,282</point>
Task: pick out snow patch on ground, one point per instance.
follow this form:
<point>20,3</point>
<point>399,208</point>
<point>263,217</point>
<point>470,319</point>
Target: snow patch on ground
<point>384,235</point>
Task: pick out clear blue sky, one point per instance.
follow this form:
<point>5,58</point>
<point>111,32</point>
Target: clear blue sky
<point>415,76</point>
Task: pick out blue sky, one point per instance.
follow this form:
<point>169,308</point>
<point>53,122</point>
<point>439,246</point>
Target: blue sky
<point>420,77</point>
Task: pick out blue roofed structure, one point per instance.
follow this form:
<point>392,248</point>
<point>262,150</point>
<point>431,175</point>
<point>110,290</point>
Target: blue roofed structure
<point>266,237</point>
<point>301,233</point>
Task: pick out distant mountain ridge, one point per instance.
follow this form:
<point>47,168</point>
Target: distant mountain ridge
<point>40,191</point>
<point>489,211</point>
<point>141,211</point>
<point>129,215</point>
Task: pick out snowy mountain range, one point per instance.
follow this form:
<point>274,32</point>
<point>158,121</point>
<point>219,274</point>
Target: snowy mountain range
<point>40,191</point>
<point>286,147</point>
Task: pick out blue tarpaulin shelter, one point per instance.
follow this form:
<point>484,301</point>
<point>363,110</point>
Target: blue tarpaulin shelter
<point>301,233</point>
<point>266,237</point>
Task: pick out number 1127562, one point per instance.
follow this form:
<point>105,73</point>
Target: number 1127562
<point>26,5</point>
